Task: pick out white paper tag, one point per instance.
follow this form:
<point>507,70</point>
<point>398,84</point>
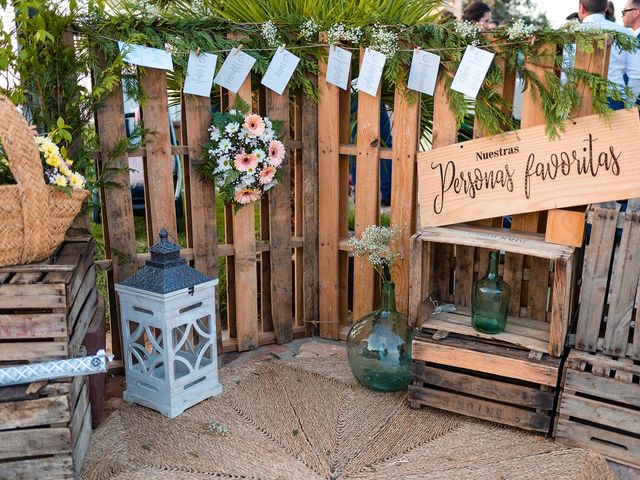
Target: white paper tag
<point>338,66</point>
<point>200,71</point>
<point>234,70</point>
<point>371,72</point>
<point>146,56</point>
<point>424,72</point>
<point>280,70</point>
<point>472,71</point>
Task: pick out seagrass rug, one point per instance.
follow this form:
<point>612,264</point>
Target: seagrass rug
<point>309,419</point>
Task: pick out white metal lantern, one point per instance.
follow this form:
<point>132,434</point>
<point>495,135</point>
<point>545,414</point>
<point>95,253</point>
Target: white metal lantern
<point>169,332</point>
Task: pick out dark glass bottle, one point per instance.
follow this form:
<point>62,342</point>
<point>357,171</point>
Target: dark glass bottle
<point>379,346</point>
<point>490,300</point>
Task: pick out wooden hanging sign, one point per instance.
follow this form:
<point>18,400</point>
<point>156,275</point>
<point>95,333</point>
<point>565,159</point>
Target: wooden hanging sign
<point>594,160</point>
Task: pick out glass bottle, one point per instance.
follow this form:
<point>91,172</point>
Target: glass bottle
<point>490,300</point>
<point>379,346</point>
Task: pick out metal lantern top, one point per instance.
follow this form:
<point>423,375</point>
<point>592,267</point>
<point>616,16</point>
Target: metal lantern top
<point>166,271</point>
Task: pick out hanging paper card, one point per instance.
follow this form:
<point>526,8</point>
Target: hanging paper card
<point>145,56</point>
<point>424,72</point>
<point>472,71</point>
<point>234,70</point>
<point>371,72</point>
<point>200,72</point>
<point>280,70</point>
<point>338,66</point>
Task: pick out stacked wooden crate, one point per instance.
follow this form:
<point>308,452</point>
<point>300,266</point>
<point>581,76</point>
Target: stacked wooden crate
<point>600,400</point>
<point>45,310</point>
<point>512,377</point>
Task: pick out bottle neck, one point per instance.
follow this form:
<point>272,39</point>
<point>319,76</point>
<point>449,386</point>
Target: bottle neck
<point>492,272</point>
<point>388,296</point>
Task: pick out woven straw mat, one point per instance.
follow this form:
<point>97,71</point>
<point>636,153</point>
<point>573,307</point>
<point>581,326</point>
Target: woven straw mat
<point>308,419</point>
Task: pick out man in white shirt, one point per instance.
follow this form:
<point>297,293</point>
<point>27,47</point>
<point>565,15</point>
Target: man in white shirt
<point>631,20</point>
<point>622,65</point>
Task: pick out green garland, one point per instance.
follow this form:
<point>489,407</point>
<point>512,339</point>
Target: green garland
<point>212,35</point>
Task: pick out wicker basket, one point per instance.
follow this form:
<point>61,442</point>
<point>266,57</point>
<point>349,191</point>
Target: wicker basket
<point>34,216</point>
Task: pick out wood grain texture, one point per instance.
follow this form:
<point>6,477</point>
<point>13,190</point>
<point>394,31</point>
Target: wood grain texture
<point>565,227</point>
<point>486,358</point>
<point>117,208</point>
<point>159,188</point>
<point>367,196</point>
<point>596,61</point>
<point>595,277</point>
<point>406,128</point>
<point>280,228</point>
<point>310,208</point>
<point>560,306</point>
<point>329,199</point>
<point>624,285</point>
<point>200,193</point>
<point>345,260</point>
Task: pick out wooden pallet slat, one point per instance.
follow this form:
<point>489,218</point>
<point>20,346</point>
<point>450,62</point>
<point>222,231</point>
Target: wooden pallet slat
<point>329,198</point>
<point>367,195</point>
<point>280,229</point>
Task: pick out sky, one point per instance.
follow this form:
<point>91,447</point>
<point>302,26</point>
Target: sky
<point>557,10</point>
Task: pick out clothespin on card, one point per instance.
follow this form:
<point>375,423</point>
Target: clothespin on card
<point>238,49</point>
<point>283,46</point>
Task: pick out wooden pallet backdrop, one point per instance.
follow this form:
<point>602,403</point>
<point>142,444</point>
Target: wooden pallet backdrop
<point>271,272</point>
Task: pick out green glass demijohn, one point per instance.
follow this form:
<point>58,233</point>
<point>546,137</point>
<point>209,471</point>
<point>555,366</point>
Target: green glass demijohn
<point>379,346</point>
<point>490,300</point>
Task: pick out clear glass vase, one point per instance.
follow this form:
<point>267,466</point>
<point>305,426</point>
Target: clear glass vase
<point>379,346</point>
<point>490,300</point>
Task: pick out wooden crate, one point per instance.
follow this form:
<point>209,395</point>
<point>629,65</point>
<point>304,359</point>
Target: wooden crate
<point>45,308</point>
<point>446,260</point>
<point>608,318</point>
<point>496,383</point>
<point>599,406</point>
<point>45,429</point>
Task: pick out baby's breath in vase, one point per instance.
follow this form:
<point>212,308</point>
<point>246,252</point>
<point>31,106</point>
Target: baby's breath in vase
<point>379,344</point>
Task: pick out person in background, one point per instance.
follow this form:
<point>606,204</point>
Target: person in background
<point>592,15</point>
<point>631,20</point>
<point>477,12</point>
<point>492,25</point>
<point>573,16</point>
<point>610,14</point>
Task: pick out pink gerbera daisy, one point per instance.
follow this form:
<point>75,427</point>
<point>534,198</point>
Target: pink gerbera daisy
<point>254,125</point>
<point>267,174</point>
<point>244,162</point>
<point>246,195</point>
<point>276,153</point>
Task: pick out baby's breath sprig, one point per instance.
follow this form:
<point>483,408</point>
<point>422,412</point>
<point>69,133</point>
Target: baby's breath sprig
<point>519,30</point>
<point>380,247</point>
<point>269,32</point>
<point>309,29</point>
<point>384,41</point>
<point>469,31</point>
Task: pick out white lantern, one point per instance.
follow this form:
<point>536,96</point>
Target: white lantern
<point>169,332</point>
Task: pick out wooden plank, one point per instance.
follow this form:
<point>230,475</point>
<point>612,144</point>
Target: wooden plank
<point>351,149</point>
<point>367,195</point>
<point>406,127</point>
<point>31,413</point>
<point>59,467</point>
<point>280,228</point>
<point>565,227</point>
<point>486,358</point>
<point>624,284</point>
<point>296,182</point>
<point>201,221</point>
<point>79,412</point>
<point>420,276</point>
<point>600,361</point>
<point>230,271</point>
<point>606,388</point>
<point>560,306</point>
<point>36,296</point>
<point>615,446</point>
<point>512,274</point>
<point>492,238</point>
<point>89,311</point>
<point>514,334</point>
<point>117,209</point>
<point>475,407</point>
<point>464,275</point>
<point>593,60</point>
<point>32,442</point>
<point>595,277</point>
<point>265,269</point>
<point>345,261</point>
<point>88,287</point>
<point>82,443</point>
<point>310,207</point>
<point>607,415</point>
<point>329,198</point>
<point>159,185</point>
<point>32,325</point>
<point>482,387</point>
<point>33,351</point>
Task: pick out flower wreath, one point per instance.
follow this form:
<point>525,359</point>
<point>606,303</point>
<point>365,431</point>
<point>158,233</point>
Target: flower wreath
<point>244,155</point>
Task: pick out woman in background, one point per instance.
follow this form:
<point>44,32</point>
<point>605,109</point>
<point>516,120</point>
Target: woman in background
<point>478,12</point>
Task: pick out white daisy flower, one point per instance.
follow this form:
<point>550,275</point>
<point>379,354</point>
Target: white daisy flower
<point>232,127</point>
<point>215,134</point>
<point>224,145</point>
<point>259,154</point>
